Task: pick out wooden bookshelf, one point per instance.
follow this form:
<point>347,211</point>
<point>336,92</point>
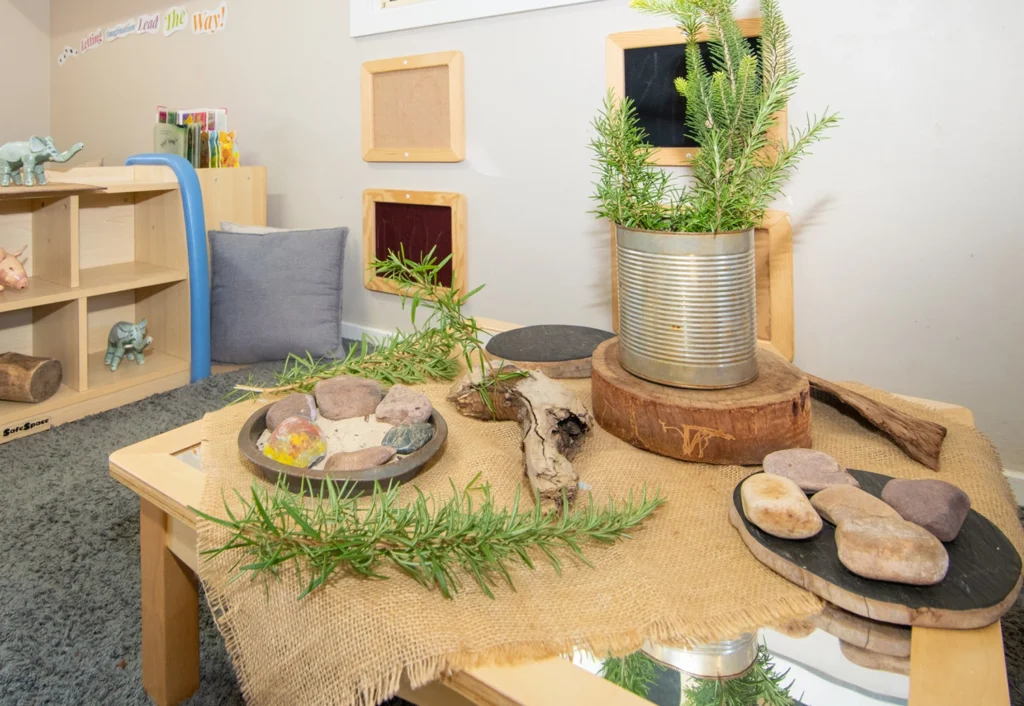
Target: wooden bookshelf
<point>107,244</point>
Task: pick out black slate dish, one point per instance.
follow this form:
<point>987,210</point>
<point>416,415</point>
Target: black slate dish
<point>404,469</point>
<point>983,566</point>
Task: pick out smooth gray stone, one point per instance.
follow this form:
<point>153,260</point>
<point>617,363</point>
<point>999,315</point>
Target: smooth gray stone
<point>408,437</point>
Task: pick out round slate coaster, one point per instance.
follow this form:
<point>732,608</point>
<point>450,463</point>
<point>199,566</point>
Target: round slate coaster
<point>546,344</point>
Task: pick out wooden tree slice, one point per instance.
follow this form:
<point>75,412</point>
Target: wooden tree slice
<point>740,425</point>
<point>875,660</point>
<point>557,351</point>
<point>983,581</point>
<point>871,635</point>
<point>24,378</point>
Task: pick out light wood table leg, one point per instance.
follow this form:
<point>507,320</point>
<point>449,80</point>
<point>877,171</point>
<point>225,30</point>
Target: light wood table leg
<point>958,667</point>
<point>170,614</point>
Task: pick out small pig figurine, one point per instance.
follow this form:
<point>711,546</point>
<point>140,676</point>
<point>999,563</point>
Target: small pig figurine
<point>12,272</point>
<point>126,339</point>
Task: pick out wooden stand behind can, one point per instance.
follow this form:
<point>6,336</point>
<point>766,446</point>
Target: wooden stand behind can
<point>735,426</point>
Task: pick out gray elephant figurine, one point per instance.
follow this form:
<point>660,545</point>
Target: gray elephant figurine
<point>126,340</point>
<point>22,162</point>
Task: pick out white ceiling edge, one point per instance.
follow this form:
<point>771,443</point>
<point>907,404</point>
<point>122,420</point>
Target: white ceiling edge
<point>368,17</point>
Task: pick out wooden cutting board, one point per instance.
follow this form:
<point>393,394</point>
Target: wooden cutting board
<point>983,581</point>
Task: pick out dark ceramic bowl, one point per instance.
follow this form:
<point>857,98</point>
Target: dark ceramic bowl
<point>359,482</point>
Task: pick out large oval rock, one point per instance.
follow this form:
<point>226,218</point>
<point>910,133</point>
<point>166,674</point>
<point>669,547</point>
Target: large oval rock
<point>359,460</point>
<point>345,397</point>
<point>296,442</point>
<point>811,470</point>
<point>403,405</point>
<point>936,505</point>
<point>779,507</point>
<point>408,437</point>
<point>844,502</point>
<point>888,549</point>
<point>297,404</point>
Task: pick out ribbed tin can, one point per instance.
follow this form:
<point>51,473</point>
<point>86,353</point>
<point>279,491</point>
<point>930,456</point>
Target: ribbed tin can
<point>687,307</point>
<point>715,660</point>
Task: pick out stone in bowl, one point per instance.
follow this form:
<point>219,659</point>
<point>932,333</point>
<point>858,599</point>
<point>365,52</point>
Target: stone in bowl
<point>358,482</point>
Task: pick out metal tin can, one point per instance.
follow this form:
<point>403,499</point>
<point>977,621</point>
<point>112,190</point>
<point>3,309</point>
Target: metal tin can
<point>715,660</point>
<point>687,307</point>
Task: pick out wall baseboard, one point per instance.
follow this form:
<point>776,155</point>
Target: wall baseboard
<point>356,331</point>
<point>1016,479</point>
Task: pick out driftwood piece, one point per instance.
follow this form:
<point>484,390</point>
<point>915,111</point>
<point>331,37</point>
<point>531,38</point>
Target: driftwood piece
<point>552,419</point>
<point>920,439</point>
<point>24,378</point>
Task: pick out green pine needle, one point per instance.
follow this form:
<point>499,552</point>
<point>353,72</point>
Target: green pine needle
<point>438,544</point>
<point>761,685</point>
<point>731,111</point>
<point>635,673</point>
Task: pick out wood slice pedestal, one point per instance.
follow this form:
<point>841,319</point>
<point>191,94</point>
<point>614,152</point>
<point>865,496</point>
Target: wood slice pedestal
<point>737,426</point>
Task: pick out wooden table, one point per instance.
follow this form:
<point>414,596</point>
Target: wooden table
<point>953,667</point>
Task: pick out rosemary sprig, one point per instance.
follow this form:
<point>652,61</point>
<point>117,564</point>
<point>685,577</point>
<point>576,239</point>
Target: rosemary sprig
<point>429,352</point>
<point>465,536</point>
<point>761,684</point>
<point>635,672</point>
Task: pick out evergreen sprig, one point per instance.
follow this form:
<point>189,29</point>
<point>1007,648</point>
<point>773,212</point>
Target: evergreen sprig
<point>635,672</point>
<point>438,544</point>
<point>429,352</point>
<point>761,684</point>
<point>731,110</point>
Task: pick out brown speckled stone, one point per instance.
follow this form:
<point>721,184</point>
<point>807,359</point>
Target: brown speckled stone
<point>345,397</point>
<point>811,470</point>
<point>936,505</point>
<point>844,502</point>
<point>885,549</point>
<point>779,507</point>
<point>359,460</point>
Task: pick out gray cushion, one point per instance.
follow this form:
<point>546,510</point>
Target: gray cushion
<point>276,294</point>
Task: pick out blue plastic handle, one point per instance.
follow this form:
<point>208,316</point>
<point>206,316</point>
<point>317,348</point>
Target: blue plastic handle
<point>198,264</point>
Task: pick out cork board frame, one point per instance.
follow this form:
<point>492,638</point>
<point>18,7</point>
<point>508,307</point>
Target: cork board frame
<point>454,202</point>
<point>615,72</point>
<point>413,108</point>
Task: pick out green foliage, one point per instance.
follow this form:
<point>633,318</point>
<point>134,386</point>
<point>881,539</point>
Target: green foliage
<point>761,685</point>
<point>635,672</point>
<point>429,352</point>
<point>435,543</point>
<point>741,166</point>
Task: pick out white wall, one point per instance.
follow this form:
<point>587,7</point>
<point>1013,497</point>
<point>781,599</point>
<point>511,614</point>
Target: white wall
<point>25,82</point>
<point>906,246</point>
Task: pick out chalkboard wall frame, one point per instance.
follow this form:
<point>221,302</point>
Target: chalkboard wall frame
<point>413,108</point>
<point>454,203</point>
<point>615,69</point>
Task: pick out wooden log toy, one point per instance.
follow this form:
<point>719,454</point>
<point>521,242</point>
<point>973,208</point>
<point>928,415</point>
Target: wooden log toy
<point>24,378</point>
<point>740,425</point>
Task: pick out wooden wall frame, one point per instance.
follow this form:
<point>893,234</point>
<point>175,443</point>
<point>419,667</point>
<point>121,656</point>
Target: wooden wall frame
<point>615,70</point>
<point>457,204</point>
<point>413,108</point>
<point>773,264</point>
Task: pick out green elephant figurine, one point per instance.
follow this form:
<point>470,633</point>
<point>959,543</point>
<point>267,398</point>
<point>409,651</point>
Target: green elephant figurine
<point>126,340</point>
<point>22,162</point>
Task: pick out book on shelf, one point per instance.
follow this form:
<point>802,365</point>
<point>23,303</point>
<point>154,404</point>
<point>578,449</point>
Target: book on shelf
<point>198,132</point>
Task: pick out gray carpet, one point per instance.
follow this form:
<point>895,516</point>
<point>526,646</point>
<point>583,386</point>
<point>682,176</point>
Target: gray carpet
<point>69,564</point>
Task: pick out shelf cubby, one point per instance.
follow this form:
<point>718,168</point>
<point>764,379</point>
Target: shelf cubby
<point>107,244</point>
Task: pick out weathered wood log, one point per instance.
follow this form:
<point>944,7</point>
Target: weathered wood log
<point>552,418</point>
<point>920,439</point>
<point>24,378</point>
<point>741,425</point>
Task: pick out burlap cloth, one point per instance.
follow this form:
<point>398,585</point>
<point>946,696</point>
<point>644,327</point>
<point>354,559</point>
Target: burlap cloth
<point>685,576</point>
